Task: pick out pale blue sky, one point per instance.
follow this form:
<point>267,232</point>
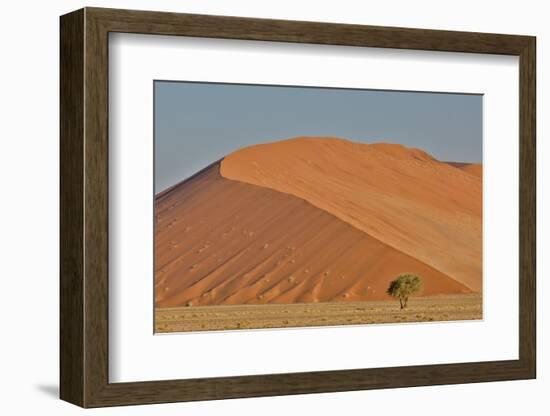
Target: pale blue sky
<point>199,123</point>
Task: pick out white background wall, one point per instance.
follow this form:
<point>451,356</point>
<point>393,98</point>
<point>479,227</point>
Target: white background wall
<point>29,207</point>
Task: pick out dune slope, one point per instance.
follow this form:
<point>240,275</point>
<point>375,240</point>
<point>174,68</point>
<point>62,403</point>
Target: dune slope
<point>473,168</point>
<point>222,242</point>
<point>400,196</point>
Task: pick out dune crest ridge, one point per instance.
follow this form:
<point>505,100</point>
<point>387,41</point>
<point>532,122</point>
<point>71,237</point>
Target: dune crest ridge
<point>473,168</point>
<point>403,197</point>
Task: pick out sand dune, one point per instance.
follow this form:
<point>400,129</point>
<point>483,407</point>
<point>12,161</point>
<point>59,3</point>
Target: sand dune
<point>399,197</point>
<point>473,168</point>
<point>221,241</point>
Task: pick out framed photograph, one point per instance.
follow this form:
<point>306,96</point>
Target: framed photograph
<point>255,207</point>
<point>257,228</point>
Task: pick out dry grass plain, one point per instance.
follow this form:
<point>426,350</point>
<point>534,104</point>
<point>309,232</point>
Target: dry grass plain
<point>420,309</point>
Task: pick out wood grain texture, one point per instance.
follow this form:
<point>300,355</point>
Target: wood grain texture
<point>527,209</point>
<point>84,207</point>
<point>71,213</point>
<point>96,214</point>
<point>162,23</point>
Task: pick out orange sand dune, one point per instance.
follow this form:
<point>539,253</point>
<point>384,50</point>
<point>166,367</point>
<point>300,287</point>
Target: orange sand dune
<point>400,196</point>
<point>473,168</point>
<point>220,241</point>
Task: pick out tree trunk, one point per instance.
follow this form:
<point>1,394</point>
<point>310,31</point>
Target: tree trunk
<point>401,303</point>
<point>406,300</point>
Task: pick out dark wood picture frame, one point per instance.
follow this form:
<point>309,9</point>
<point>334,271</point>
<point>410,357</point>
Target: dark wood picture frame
<point>84,207</point>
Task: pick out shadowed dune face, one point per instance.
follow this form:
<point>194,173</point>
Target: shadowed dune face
<point>222,241</point>
<point>401,197</point>
<point>473,168</point>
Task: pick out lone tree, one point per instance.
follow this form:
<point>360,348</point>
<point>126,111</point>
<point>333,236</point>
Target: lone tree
<point>404,286</point>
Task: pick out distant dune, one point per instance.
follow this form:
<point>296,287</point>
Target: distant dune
<point>400,196</point>
<point>473,168</point>
<point>317,220</point>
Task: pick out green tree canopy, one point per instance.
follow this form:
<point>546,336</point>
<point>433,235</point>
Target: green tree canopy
<point>404,286</point>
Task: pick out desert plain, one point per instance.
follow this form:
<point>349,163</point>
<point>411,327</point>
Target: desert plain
<point>311,230</point>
